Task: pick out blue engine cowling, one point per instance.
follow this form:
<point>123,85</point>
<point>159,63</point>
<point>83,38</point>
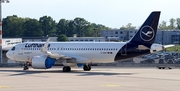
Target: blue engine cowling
<point>41,62</point>
<point>80,64</point>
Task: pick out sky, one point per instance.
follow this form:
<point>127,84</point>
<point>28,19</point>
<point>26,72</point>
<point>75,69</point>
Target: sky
<point>111,13</point>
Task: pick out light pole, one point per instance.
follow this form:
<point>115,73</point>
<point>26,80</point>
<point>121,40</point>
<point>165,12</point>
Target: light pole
<point>178,45</point>
<point>1,1</point>
<point>96,29</point>
<point>177,42</point>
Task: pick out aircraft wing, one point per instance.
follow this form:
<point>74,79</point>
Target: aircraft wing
<point>50,54</point>
<point>54,55</point>
<point>70,58</point>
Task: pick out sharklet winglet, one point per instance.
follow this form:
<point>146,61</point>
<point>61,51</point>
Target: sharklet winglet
<point>44,48</point>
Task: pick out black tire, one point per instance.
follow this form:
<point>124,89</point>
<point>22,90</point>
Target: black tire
<point>87,67</point>
<point>66,69</point>
<point>69,69</point>
<point>169,68</point>
<point>25,68</point>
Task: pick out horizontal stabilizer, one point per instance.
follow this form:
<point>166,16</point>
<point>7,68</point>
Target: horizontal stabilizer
<point>167,46</point>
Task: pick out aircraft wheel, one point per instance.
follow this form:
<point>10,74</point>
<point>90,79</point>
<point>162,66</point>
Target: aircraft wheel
<point>66,69</point>
<point>169,68</point>
<point>26,66</point>
<point>87,67</point>
<point>159,67</point>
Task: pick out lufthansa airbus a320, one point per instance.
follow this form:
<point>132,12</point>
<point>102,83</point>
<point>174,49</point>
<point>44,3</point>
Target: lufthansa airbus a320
<point>43,55</point>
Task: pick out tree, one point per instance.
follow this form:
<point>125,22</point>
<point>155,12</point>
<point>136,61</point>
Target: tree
<point>128,27</point>
<point>162,26</point>
<point>80,24</point>
<point>122,28</point>
<point>172,24</point>
<point>61,27</point>
<point>93,29</point>
<point>89,31</point>
<point>62,37</point>
<point>47,25</point>
<point>12,26</point>
<point>178,23</point>
<point>32,28</point>
<point>71,28</point>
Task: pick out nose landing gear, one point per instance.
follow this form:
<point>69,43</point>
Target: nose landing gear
<point>26,66</point>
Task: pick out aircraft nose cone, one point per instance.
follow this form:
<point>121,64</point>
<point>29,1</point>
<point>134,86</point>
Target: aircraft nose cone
<point>8,55</point>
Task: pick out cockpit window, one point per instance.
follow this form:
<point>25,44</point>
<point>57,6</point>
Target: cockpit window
<point>13,49</point>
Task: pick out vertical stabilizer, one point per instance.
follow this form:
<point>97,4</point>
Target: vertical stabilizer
<point>141,43</point>
<point>147,32</point>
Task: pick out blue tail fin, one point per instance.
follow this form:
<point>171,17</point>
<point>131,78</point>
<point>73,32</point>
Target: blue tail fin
<point>141,43</point>
<point>147,32</point>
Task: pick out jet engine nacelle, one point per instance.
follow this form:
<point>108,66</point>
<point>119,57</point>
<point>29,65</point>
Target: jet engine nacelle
<point>41,62</point>
<point>156,48</point>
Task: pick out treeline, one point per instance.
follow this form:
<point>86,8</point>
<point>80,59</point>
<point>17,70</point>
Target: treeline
<point>174,24</point>
<point>14,26</point>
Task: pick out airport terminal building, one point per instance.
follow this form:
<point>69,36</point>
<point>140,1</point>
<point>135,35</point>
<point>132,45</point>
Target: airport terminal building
<point>166,36</point>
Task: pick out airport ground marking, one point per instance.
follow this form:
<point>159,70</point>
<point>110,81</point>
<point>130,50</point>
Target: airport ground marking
<point>4,86</point>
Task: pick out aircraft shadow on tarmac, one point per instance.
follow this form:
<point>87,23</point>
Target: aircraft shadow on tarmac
<point>78,72</point>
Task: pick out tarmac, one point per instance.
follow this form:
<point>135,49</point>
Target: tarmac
<point>98,79</point>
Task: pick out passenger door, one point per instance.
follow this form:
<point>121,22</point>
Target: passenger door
<point>20,49</point>
<point>124,50</point>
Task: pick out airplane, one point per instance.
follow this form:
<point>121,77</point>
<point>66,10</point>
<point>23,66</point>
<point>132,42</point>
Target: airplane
<point>43,55</point>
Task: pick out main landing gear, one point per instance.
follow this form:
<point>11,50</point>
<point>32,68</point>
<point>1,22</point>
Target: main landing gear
<point>164,67</point>
<point>26,66</point>
<point>68,68</point>
<point>87,67</point>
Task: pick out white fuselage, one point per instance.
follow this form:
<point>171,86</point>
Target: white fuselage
<point>101,52</point>
<point>43,55</point>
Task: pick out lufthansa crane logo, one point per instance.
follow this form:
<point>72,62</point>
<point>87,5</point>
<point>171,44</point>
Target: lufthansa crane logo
<point>147,33</point>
